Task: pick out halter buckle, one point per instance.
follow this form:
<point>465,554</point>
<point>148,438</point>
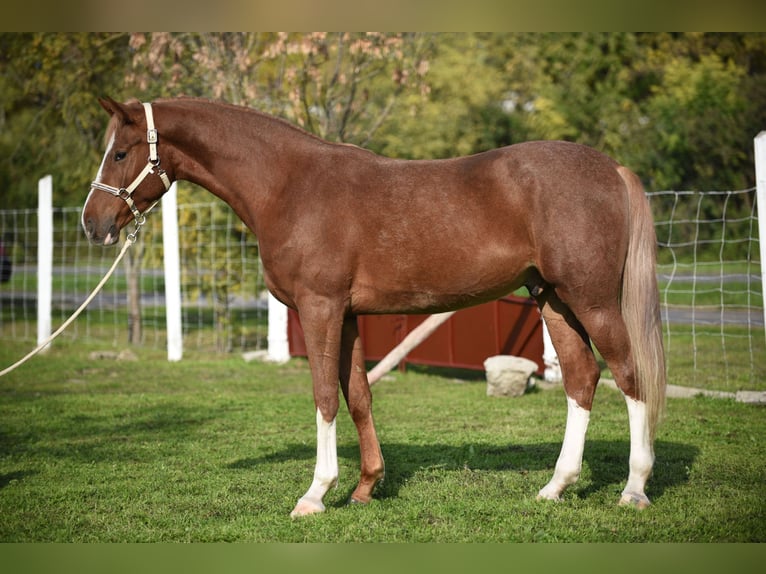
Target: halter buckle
<point>151,136</point>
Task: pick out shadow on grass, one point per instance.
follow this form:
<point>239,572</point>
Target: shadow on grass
<point>117,436</point>
<point>17,476</point>
<point>607,461</point>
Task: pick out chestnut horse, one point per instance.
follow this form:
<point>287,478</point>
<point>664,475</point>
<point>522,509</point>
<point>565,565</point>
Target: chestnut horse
<point>345,232</point>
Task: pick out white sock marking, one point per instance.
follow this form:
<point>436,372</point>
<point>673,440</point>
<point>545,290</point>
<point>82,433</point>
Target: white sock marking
<point>569,463</point>
<point>641,451</point>
<point>325,471</point>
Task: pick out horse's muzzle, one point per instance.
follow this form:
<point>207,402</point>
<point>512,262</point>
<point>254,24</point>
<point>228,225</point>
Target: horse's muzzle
<point>107,234</point>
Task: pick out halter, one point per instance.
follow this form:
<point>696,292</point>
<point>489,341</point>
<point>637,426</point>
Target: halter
<point>153,163</point>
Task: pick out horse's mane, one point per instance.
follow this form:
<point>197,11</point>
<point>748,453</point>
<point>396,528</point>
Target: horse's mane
<point>241,108</point>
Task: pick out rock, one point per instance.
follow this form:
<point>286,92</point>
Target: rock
<point>262,356</point>
<point>127,355</point>
<point>508,376</point>
<point>752,397</point>
<point>250,356</point>
<point>103,355</point>
<point>124,355</point>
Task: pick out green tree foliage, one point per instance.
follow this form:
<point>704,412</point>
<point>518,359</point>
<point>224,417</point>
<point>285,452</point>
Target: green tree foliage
<point>458,111</point>
<point>49,119</point>
<point>680,109</point>
<point>340,86</point>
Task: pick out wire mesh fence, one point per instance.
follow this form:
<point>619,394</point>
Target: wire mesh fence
<point>223,297</point>
<point>709,273</point>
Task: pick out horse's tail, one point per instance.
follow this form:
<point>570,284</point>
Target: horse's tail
<point>640,302</point>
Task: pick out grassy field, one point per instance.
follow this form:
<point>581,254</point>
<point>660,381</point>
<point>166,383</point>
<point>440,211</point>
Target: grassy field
<point>215,449</point>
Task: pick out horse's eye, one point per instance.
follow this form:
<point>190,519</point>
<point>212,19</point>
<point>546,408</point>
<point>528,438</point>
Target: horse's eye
<point>119,156</point>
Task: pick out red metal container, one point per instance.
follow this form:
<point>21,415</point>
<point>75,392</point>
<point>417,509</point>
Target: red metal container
<point>507,326</point>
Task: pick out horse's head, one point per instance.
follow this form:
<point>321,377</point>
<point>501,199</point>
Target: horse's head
<point>129,181</point>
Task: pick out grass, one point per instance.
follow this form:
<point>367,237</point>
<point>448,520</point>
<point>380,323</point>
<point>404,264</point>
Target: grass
<point>713,358</point>
<point>82,282</point>
<point>214,449</point>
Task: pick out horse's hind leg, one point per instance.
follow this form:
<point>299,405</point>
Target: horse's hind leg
<point>610,336</point>
<point>580,374</point>
<point>356,391</point>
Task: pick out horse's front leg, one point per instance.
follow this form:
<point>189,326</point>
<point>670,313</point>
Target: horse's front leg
<point>356,390</point>
<point>322,331</point>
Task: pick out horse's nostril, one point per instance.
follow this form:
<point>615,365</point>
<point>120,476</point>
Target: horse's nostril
<point>112,235</point>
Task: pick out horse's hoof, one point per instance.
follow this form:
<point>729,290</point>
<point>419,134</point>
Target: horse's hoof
<point>634,499</point>
<point>306,507</point>
<point>548,494</point>
<point>355,500</point>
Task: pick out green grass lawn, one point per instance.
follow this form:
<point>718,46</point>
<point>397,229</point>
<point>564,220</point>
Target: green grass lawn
<point>215,449</point>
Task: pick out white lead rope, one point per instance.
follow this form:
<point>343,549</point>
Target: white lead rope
<point>74,316</point>
<point>152,166</point>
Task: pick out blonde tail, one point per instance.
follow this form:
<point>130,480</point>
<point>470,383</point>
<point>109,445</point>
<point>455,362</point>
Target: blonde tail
<point>640,302</point>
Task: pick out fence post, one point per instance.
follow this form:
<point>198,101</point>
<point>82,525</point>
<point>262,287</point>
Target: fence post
<point>279,347</point>
<point>552,371</point>
<point>760,190</point>
<point>172,274</point>
<point>44,257</point>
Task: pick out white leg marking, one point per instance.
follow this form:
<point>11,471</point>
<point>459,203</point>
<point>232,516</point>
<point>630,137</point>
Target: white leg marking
<point>325,471</point>
<point>569,462</point>
<point>641,455</point>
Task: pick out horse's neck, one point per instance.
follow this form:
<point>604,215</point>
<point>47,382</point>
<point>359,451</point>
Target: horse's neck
<point>234,154</point>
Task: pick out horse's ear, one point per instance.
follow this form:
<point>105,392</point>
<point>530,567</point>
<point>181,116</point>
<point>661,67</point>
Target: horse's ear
<point>114,108</point>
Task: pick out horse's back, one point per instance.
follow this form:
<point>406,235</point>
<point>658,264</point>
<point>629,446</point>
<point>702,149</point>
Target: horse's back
<point>450,233</point>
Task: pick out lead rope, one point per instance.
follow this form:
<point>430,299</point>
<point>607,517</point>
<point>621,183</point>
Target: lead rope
<point>41,346</point>
<point>140,218</point>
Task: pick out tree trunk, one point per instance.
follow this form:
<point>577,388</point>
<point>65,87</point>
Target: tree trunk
<point>132,262</point>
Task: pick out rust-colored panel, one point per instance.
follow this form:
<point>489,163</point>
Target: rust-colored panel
<point>474,335</point>
<point>508,326</point>
<point>295,338</point>
<point>521,330</point>
<point>381,334</point>
<point>435,349</point>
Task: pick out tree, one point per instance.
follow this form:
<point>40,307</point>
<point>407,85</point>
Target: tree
<point>339,86</point>
<point>460,110</point>
<point>48,120</point>
<point>654,101</point>
<point>674,107</point>
<point>679,109</point>
<point>697,132</point>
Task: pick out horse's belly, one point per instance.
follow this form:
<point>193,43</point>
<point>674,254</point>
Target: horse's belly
<point>431,294</point>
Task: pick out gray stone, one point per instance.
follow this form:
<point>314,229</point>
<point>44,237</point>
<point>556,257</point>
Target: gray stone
<point>124,355</point>
<point>752,397</point>
<point>508,376</point>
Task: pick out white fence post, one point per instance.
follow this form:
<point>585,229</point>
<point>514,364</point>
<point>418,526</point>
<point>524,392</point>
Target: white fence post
<point>44,257</point>
<point>552,371</point>
<point>760,190</point>
<point>172,274</point>
<point>279,346</point>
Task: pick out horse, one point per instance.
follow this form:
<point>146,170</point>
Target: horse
<point>344,232</point>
